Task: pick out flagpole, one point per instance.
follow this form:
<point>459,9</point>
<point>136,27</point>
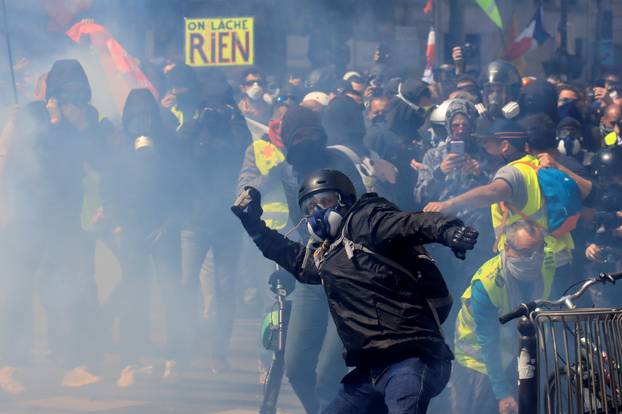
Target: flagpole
<point>9,50</point>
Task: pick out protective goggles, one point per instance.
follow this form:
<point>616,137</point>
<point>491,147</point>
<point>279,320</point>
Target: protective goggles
<point>532,253</point>
<point>323,199</point>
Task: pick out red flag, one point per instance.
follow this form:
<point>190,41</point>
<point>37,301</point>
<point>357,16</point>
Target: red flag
<point>428,7</point>
<point>121,69</point>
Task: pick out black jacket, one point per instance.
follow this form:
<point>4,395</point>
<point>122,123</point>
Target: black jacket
<point>381,314</point>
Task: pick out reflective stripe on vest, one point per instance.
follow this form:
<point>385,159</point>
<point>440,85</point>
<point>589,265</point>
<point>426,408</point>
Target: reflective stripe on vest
<point>534,209</point>
<point>275,215</point>
<point>179,115</point>
<point>467,351</point>
<point>276,211</point>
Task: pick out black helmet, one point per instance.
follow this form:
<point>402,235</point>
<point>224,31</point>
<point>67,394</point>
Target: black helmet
<point>504,73</point>
<point>327,180</point>
<point>607,161</point>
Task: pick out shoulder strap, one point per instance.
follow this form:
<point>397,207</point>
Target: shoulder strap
<point>351,247</point>
<point>362,165</point>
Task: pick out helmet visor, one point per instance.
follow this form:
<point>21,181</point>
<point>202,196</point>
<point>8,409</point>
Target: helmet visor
<point>323,199</point>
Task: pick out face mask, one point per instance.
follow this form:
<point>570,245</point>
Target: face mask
<point>568,109</point>
<point>569,145</point>
<point>254,92</point>
<point>139,124</point>
<point>323,223</point>
<point>523,269</point>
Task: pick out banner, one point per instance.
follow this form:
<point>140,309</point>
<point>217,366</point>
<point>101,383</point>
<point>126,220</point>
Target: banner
<point>226,41</point>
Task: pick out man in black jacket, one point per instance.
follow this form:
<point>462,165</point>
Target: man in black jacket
<point>385,294</point>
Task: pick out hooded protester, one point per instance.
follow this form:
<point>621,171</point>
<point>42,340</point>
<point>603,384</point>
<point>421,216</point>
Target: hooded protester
<point>313,361</point>
<point>457,165</point>
<point>182,96</point>
<point>344,123</point>
<point>212,144</point>
<point>141,190</point>
<point>58,145</point>
<point>406,115</point>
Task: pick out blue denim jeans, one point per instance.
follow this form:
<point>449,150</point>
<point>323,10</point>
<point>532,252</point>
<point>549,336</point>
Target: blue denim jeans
<point>404,387</point>
<point>313,355</point>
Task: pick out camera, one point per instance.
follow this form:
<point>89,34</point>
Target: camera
<point>468,51</point>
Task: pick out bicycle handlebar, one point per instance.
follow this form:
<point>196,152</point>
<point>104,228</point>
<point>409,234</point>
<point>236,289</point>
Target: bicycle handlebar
<point>524,309</point>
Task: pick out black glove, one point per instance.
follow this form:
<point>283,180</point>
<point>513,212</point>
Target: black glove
<point>248,207</point>
<point>460,239</point>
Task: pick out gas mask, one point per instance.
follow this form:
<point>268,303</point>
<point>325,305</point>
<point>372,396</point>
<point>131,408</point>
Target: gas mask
<point>324,223</point>
<point>140,124</point>
<point>323,217</point>
<point>255,92</point>
<point>569,143</point>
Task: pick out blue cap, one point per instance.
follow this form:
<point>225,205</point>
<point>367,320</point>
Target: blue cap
<point>503,128</point>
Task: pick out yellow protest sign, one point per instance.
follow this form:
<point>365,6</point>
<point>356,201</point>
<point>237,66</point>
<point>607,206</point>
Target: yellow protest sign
<point>225,41</point>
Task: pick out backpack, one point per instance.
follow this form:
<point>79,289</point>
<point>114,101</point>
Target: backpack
<point>562,200</point>
<point>374,171</point>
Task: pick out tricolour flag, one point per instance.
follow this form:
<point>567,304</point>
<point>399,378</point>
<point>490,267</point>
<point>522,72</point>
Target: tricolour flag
<point>530,38</point>
<point>430,57</point>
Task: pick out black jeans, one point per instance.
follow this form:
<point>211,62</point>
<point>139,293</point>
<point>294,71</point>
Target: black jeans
<point>140,260</point>
<point>209,317</point>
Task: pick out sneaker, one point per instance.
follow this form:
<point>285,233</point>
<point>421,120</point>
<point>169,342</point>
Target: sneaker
<point>130,373</point>
<point>79,377</point>
<point>9,384</point>
<point>170,370</point>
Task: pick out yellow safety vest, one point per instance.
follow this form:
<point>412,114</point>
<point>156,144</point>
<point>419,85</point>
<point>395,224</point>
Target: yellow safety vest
<point>274,204</point>
<point>534,209</point>
<point>467,351</point>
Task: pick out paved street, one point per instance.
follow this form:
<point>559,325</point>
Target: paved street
<point>196,391</point>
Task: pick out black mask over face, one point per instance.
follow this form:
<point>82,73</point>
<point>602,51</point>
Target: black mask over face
<point>140,124</point>
<point>306,154</point>
<point>404,121</point>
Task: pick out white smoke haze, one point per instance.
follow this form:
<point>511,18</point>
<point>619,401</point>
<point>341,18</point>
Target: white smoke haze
<point>36,249</point>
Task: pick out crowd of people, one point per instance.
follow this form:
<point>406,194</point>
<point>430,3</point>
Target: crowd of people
<point>492,149</point>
